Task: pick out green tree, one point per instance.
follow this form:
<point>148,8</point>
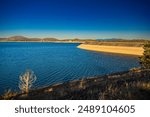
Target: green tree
<point>145,59</point>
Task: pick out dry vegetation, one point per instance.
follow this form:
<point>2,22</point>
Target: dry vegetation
<point>127,89</point>
<point>134,84</point>
<point>26,81</point>
<point>8,95</point>
<point>129,43</point>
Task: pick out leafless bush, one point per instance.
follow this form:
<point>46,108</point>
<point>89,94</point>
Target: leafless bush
<point>9,94</point>
<point>26,81</point>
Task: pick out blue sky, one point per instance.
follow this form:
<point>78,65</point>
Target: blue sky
<point>75,18</point>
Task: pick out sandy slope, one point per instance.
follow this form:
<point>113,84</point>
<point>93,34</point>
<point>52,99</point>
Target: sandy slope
<point>113,49</point>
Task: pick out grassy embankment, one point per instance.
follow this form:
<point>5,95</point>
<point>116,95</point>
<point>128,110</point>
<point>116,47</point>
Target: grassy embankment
<point>133,84</point>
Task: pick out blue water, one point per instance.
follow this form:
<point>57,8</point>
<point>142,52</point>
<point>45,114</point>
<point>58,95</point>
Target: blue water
<point>56,62</point>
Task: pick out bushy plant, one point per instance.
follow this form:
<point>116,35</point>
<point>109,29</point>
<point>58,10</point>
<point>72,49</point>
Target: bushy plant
<point>145,59</point>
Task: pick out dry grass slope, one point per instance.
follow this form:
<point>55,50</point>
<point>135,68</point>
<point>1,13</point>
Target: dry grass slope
<point>134,84</point>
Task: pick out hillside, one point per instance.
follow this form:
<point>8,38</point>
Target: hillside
<point>133,85</point>
<point>109,42</point>
<point>26,39</point>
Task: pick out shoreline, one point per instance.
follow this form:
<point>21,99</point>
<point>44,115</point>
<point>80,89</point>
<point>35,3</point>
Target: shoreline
<point>40,41</point>
<point>137,51</point>
<point>93,88</point>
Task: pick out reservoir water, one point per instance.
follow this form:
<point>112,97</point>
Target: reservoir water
<point>56,62</point>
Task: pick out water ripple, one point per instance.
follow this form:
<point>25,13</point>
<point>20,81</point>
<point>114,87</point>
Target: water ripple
<point>55,62</point>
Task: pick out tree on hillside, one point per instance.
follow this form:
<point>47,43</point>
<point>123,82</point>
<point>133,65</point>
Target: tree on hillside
<point>26,81</point>
<point>145,59</point>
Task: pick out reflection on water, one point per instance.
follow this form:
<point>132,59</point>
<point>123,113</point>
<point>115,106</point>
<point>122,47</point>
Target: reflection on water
<point>56,62</point>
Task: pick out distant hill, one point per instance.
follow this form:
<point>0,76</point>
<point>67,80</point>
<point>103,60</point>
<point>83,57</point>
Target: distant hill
<point>50,39</point>
<point>113,41</point>
<point>22,38</point>
<point>26,39</point>
<point>17,38</point>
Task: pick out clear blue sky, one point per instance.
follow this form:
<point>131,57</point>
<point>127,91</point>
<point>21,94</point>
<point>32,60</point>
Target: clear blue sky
<point>75,18</point>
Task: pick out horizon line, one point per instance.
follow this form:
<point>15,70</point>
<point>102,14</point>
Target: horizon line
<point>74,38</point>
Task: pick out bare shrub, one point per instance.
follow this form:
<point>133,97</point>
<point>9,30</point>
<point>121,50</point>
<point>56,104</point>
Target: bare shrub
<point>82,84</point>
<point>9,94</point>
<point>26,81</point>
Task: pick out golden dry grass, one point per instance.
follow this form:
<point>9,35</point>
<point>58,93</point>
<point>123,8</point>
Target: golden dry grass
<point>113,49</point>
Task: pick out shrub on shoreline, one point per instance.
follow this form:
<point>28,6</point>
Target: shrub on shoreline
<point>145,59</point>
